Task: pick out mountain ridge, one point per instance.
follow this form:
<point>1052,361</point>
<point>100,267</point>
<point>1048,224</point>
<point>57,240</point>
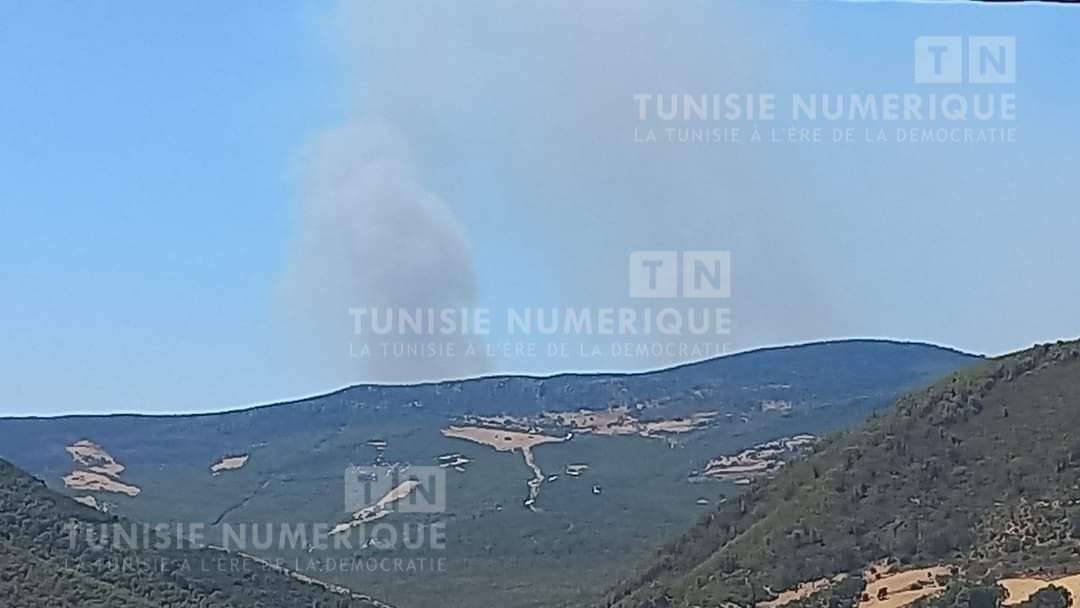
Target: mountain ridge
<point>286,463</point>
<point>513,376</point>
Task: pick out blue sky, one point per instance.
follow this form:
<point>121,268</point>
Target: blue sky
<point>163,248</point>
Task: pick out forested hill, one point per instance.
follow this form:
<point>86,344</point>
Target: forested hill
<point>285,462</point>
<point>834,383</point>
<point>980,472</point>
<point>40,565</point>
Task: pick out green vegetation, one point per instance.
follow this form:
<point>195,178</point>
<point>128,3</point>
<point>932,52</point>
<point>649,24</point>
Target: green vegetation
<point>981,470</point>
<point>1051,596</point>
<point>964,593</point>
<point>28,580</point>
<point>43,564</point>
<point>497,553</point>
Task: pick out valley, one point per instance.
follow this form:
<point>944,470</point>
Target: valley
<point>928,501</point>
<point>555,483</point>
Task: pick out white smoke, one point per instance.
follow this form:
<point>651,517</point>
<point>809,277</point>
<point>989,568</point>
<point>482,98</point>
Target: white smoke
<point>372,237</point>
<point>549,87</point>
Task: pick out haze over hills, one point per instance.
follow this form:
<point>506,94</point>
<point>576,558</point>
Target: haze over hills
<point>977,476</point>
<point>551,483</point>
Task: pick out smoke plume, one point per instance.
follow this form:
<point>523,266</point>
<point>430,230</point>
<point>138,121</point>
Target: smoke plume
<point>372,237</point>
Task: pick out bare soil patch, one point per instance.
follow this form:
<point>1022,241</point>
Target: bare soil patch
<point>510,441</point>
<point>93,457</point>
<point>381,508</point>
<point>501,440</point>
<point>887,588</point>
<point>230,463</point>
<point>96,470</point>
<point>800,591</point>
<point>89,501</point>
<point>98,482</point>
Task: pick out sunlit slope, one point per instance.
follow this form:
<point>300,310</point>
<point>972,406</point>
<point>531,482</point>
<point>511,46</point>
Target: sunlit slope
<point>980,471</point>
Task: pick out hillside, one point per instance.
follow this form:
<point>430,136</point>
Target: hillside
<point>551,483</point>
<point>42,563</point>
<point>849,377</point>
<point>979,473</point>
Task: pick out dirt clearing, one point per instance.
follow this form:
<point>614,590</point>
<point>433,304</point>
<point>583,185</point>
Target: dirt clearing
<point>380,509</point>
<point>800,591</point>
<point>229,463</point>
<point>94,458</point>
<point>501,440</point>
<point>98,482</point>
<point>886,588</point>
<point>511,441</point>
<point>96,470</point>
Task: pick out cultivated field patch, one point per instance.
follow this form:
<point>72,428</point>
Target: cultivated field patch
<point>96,470</point>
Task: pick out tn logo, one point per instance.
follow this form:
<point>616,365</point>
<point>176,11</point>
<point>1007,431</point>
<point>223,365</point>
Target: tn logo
<point>990,59</point>
<point>703,274</point>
